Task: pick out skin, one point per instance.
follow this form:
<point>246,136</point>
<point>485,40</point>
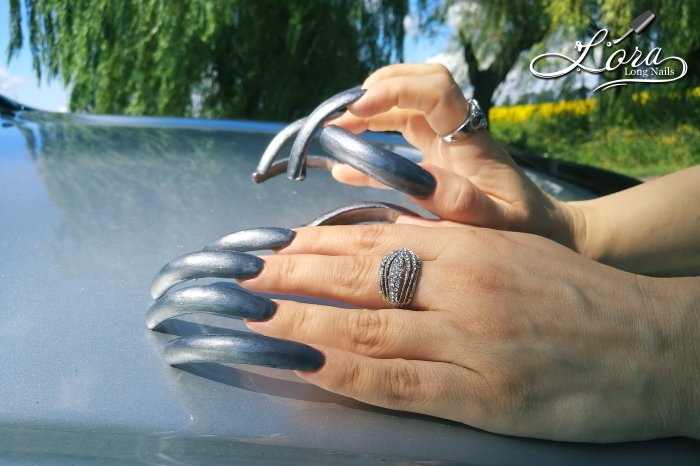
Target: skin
<point>479,184</point>
<point>516,334</point>
<point>477,181</point>
<point>653,228</point>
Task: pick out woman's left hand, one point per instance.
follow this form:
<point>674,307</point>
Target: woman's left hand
<point>478,183</point>
<point>514,333</point>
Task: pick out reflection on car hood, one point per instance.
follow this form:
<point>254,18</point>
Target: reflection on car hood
<point>91,208</point>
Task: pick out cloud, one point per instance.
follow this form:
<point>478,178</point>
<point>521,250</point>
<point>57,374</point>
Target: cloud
<point>8,81</point>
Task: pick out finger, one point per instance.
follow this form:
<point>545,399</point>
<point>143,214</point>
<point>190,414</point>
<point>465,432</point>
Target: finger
<point>367,240</point>
<point>382,333</point>
<point>410,123</point>
<point>436,95</point>
<point>402,69</point>
<point>456,198</point>
<point>347,120</point>
<point>348,279</point>
<point>434,388</point>
<point>479,146</point>
<point>348,175</point>
<point>428,222</point>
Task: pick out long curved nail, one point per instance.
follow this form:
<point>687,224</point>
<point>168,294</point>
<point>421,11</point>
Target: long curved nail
<point>296,170</point>
<point>244,349</point>
<point>282,138</point>
<point>255,239</point>
<point>376,162</point>
<point>220,300</point>
<point>205,264</point>
<point>265,165</point>
<point>280,166</point>
<point>363,212</point>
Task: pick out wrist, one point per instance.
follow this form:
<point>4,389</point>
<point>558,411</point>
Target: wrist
<point>675,305</point>
<point>572,223</point>
<point>587,233</point>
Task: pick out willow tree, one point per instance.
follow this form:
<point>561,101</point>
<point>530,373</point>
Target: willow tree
<point>674,28</point>
<point>497,36</point>
<point>256,59</point>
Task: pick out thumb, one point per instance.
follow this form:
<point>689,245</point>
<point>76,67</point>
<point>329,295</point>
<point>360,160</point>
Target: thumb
<point>428,222</point>
<point>455,197</point>
<point>458,199</point>
<point>348,175</point>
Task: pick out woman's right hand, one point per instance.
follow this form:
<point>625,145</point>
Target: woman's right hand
<point>508,332</point>
<point>478,183</point>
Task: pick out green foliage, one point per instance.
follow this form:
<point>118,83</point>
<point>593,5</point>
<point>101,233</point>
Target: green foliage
<point>652,137</point>
<point>504,30</point>
<point>258,59</point>
<point>497,36</point>
<point>674,28</point>
<point>491,34</point>
<point>674,18</point>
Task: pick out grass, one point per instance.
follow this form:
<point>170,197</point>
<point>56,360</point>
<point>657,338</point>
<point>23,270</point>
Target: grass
<point>649,136</point>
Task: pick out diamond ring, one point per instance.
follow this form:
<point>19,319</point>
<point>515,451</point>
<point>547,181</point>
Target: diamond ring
<point>398,276</point>
<point>475,120</point>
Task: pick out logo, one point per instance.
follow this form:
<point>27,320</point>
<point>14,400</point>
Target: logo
<point>639,67</point>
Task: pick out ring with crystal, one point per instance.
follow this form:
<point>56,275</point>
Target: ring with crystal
<point>476,120</point>
<point>398,276</point>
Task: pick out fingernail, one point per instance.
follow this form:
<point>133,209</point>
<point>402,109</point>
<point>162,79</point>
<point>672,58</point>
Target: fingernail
<point>219,264</point>
<point>296,169</point>
<point>377,162</point>
<point>220,300</point>
<point>254,239</point>
<point>251,349</point>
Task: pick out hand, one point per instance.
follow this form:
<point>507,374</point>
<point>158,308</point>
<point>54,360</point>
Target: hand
<point>477,181</point>
<point>512,333</point>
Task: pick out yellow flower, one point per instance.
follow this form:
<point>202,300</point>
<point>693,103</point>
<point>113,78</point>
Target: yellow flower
<point>641,97</point>
<point>669,139</point>
<point>518,113</point>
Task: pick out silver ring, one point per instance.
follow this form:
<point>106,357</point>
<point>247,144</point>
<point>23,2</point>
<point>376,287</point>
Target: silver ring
<point>398,276</point>
<point>476,120</point>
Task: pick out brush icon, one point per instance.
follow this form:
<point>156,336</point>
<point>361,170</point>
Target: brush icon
<point>638,24</point>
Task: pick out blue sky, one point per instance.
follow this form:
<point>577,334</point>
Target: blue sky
<point>18,81</point>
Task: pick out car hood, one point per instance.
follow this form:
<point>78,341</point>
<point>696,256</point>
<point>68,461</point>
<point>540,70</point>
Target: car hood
<point>91,208</point>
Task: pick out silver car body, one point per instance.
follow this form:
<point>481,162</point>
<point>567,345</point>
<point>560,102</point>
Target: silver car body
<point>90,208</point>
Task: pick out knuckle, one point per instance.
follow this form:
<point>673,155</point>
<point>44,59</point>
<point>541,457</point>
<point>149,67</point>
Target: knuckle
<point>402,386</point>
<point>299,323</point>
<point>368,330</point>
<point>440,69</point>
<point>370,237</point>
<point>351,273</point>
<point>444,79</point>
<point>351,379</point>
<point>285,270</point>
